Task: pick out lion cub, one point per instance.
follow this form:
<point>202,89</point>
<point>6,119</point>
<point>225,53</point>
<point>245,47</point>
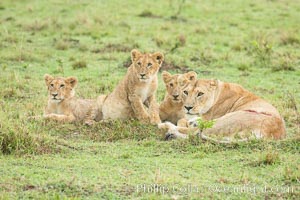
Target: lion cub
<point>134,96</point>
<point>171,109</point>
<point>62,104</point>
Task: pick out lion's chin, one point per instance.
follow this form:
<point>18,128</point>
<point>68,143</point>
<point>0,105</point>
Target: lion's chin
<point>176,100</point>
<point>144,80</point>
<point>190,116</point>
<point>56,100</point>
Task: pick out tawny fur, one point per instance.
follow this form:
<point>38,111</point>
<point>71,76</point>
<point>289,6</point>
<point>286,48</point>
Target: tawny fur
<point>62,104</point>
<point>235,110</point>
<point>134,96</point>
<point>171,109</point>
<point>95,113</point>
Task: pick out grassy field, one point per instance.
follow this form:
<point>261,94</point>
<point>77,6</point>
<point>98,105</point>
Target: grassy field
<point>255,43</point>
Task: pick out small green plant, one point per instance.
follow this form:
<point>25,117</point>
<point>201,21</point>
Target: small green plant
<point>270,157</point>
<point>178,12</point>
<point>207,57</point>
<point>18,140</point>
<point>37,25</point>
<point>292,174</point>
<point>62,45</point>
<point>4,66</point>
<point>289,39</point>
<point>284,62</point>
<point>60,66</point>
<point>262,51</point>
<point>180,42</point>
<point>202,125</point>
<point>79,64</point>
<point>243,67</point>
<point>205,124</point>
<point>146,13</point>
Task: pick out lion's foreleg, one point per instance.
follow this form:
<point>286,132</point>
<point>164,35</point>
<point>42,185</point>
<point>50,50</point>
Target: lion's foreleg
<point>60,118</point>
<point>153,110</point>
<point>138,108</point>
<point>171,131</point>
<point>182,122</point>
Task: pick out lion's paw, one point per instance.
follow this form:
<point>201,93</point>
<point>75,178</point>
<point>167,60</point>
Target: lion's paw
<point>170,136</point>
<point>89,122</point>
<point>155,121</point>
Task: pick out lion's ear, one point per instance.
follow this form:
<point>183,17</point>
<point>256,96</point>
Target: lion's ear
<point>72,81</point>
<point>166,76</point>
<point>159,57</point>
<point>48,78</point>
<point>182,80</point>
<point>135,54</point>
<point>192,76</point>
<point>213,83</point>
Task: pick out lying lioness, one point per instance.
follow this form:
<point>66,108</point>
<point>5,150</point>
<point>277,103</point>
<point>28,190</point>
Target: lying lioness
<point>238,114</point>
<point>62,104</point>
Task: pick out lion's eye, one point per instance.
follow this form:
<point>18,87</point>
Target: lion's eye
<point>185,92</point>
<point>139,63</point>
<point>149,64</point>
<point>62,85</point>
<point>200,94</point>
<point>51,85</point>
<point>171,85</point>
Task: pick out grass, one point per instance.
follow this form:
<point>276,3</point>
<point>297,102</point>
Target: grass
<point>79,64</point>
<point>253,43</point>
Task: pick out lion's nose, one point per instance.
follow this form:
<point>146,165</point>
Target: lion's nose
<point>54,95</point>
<point>188,108</point>
<point>176,96</point>
<point>142,75</point>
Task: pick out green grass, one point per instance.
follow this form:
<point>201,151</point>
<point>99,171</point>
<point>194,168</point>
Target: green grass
<point>253,43</point>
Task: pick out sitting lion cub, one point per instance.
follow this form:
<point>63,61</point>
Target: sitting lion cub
<point>238,114</point>
<point>171,109</point>
<point>62,104</point>
<point>134,97</point>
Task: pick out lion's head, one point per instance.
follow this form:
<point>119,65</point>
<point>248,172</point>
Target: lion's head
<point>175,83</point>
<point>146,65</point>
<point>60,88</point>
<point>199,97</point>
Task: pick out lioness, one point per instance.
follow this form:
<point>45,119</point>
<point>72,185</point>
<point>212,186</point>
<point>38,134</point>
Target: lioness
<point>62,104</point>
<point>134,96</point>
<point>171,109</point>
<point>238,113</point>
